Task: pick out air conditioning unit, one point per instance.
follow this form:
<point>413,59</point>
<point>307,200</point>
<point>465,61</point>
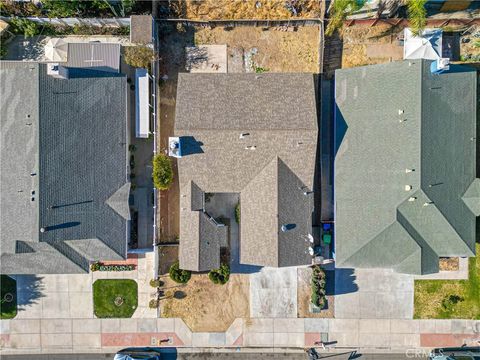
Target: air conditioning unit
<point>439,66</point>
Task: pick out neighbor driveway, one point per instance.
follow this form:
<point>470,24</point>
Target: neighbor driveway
<point>70,296</point>
<point>373,294</point>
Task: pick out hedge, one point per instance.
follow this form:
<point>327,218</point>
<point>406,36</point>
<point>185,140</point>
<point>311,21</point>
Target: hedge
<point>221,275</point>
<point>97,266</point>
<point>178,275</point>
<point>318,283</point>
<point>162,172</point>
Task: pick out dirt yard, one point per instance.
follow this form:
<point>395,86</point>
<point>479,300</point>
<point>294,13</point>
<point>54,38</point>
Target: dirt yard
<point>365,45</point>
<point>276,50</point>
<point>303,297</point>
<point>247,9</point>
<point>205,306</point>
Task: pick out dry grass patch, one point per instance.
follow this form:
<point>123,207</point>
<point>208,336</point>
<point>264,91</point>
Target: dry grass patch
<point>277,51</point>
<point>205,306</point>
<point>450,299</point>
<point>245,9</point>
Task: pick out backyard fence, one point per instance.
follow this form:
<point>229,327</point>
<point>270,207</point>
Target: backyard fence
<point>94,22</point>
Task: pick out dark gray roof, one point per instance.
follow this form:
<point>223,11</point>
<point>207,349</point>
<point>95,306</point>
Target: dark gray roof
<point>201,235</point>
<point>104,56</point>
<point>403,164</point>
<point>270,167</point>
<point>77,151</point>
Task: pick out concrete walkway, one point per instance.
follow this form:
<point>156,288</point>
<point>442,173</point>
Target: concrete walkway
<point>109,335</point>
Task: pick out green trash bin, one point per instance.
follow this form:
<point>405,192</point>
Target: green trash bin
<point>327,239</point>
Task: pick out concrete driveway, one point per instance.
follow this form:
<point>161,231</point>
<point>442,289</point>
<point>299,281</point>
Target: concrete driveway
<point>373,294</point>
<point>273,293</point>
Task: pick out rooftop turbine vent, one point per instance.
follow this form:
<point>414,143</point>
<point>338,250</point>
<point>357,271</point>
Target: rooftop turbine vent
<point>408,187</point>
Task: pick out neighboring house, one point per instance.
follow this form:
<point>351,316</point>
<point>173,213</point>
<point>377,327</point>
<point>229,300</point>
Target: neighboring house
<point>255,135</point>
<point>63,168</point>
<point>406,191</point>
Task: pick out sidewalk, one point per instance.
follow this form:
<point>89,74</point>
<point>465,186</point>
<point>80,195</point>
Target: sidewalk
<point>109,335</point>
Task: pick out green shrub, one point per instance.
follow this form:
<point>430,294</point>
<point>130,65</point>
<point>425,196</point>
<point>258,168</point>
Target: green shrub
<point>178,275</point>
<point>26,27</point>
<point>339,12</point>
<point>221,275</point>
<point>417,15</point>
<point>318,282</point>
<point>156,283</point>
<point>162,172</point>
<point>237,213</point>
<point>139,56</point>
<point>450,301</point>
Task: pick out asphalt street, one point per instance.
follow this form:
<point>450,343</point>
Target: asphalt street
<point>173,355</point>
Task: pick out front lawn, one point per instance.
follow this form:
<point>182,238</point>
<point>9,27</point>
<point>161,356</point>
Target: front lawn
<point>115,298</point>
<point>450,299</point>
<point>8,292</point>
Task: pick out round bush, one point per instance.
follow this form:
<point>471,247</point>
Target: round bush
<point>178,275</point>
<point>162,172</point>
<point>221,275</point>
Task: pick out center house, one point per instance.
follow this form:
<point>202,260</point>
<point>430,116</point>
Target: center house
<point>253,135</point>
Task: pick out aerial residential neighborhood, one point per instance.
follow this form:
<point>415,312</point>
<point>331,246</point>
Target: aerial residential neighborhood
<point>291,179</point>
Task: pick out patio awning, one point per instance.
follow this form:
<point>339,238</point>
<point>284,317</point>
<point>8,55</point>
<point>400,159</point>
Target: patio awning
<point>142,95</point>
<point>427,46</point>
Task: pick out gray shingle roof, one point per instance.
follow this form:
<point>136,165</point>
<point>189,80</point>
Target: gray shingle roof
<point>403,163</point>
<point>268,166</point>
<point>77,151</point>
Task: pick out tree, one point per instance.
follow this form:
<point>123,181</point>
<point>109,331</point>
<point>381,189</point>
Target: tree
<point>139,56</point>
<point>417,15</point>
<point>162,172</point>
<point>339,11</point>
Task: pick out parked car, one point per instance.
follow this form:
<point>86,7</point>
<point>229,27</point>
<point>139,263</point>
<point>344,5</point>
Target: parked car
<point>137,354</point>
<point>460,353</point>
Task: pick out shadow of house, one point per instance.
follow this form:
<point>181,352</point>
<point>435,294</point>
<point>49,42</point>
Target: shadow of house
<point>343,282</point>
<point>190,146</point>
<point>29,290</point>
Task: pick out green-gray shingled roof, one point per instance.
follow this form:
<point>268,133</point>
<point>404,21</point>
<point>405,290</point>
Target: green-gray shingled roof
<point>405,167</point>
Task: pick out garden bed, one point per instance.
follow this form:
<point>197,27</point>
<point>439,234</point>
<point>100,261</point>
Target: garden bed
<point>8,297</point>
<point>450,299</point>
<point>115,298</point>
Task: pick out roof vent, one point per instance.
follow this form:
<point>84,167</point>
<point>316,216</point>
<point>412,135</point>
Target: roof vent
<point>427,203</point>
<point>250,147</point>
<point>42,230</point>
<point>400,111</point>
<point>408,187</point>
<point>287,227</point>
<point>409,170</point>
<point>412,198</point>
<point>243,135</point>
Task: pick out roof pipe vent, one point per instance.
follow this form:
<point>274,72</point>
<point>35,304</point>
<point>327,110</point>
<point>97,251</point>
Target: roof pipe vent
<point>42,230</point>
<point>243,135</point>
<point>408,187</point>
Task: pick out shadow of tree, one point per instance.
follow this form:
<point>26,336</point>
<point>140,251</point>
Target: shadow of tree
<point>29,290</point>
